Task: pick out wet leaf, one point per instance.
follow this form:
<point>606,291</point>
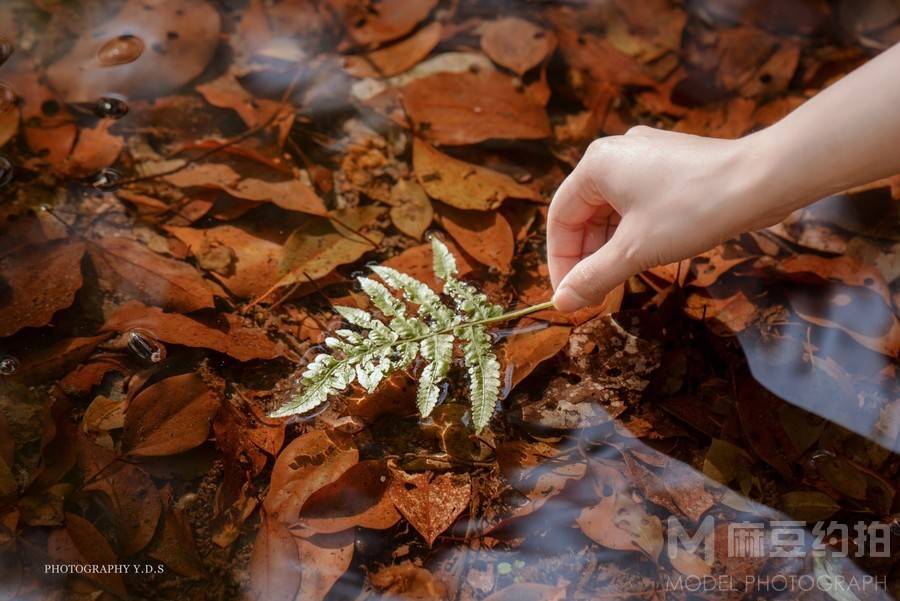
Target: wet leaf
<point>173,51</point>
<point>275,563</point>
<point>39,281</point>
<point>430,503</point>
<point>320,245</point>
<point>464,185</point>
<point>396,58</point>
<point>617,521</point>
<point>467,108</point>
<point>226,333</point>
<point>131,268</point>
<point>169,417</point>
<point>81,543</point>
<point>357,498</point>
<point>391,20</point>
<point>175,546</point>
<point>486,237</point>
<point>253,267</point>
<point>516,44</point>
<point>528,591</point>
<point>310,462</point>
<point>524,352</point>
<point>411,212</point>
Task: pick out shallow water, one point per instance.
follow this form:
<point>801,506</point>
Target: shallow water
<point>166,270</point>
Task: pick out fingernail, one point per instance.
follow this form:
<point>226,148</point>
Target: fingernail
<point>567,300</point>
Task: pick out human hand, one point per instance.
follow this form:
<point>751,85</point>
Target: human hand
<point>649,198</point>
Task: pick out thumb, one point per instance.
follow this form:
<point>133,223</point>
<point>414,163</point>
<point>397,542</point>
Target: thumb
<point>595,275</point>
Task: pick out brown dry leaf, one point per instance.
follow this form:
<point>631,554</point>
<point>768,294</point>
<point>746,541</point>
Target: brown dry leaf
<point>408,581</point>
<point>464,185</point>
<point>41,280</point>
<point>709,266</point>
<point>81,543</point>
<point>729,316</point>
<point>467,108</point>
<point>290,194</point>
<point>49,133</point>
<point>411,212</point>
<point>101,416</point>
<point>486,237</point>
<point>617,521</point>
<point>227,92</point>
<point>516,44</point>
<point>526,351</point>
<point>94,150</point>
<point>396,58</point>
<point>169,417</point>
<point>169,50</point>
<point>430,503</point>
<point>358,498</point>
<point>529,591</point>
<point>310,462</point>
<point>319,245</point>
<point>9,125</point>
<point>131,268</point>
<point>537,470</point>
<point>51,362</point>
<point>808,505</point>
<point>225,333</point>
<point>175,546</point>
<point>135,502</point>
<point>254,265</point>
<point>247,436</point>
<point>845,270</point>
<point>323,560</point>
<point>388,20</point>
<point>275,563</point>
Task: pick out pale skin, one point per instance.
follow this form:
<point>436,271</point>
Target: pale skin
<point>651,197</point>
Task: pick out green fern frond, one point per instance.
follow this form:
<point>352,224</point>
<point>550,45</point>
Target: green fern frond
<point>379,349</point>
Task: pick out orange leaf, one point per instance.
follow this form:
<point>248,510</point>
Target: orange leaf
<point>486,237</point>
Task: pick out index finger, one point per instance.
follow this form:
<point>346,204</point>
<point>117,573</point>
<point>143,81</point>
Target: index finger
<point>576,204</point>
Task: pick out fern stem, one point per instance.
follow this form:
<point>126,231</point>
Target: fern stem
<point>505,317</point>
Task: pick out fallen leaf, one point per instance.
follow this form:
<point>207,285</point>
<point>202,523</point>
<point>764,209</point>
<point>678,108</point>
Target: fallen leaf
<point>310,462</point>
<point>167,51</point>
<point>323,560</point>
<point>135,502</point>
<point>132,269</point>
<point>526,351</point>
<point>39,281</point>
<point>274,563</point>
<point>52,362</point>
<point>486,237</point>
<point>290,194</point>
<point>617,521</point>
<point>225,333</point>
<point>95,149</point>
<point>357,498</point>
<point>467,108</point>
<point>396,58</point>
<point>318,246</point>
<point>81,543</point>
<point>411,211</point>
<point>389,21</point>
<point>730,315</point>
<point>430,503</point>
<point>254,268</point>
<point>169,417</point>
<point>408,581</point>
<point>175,546</point>
<point>516,44</point>
<point>464,185</point>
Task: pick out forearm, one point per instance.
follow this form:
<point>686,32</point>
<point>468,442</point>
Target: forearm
<point>847,135</point>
